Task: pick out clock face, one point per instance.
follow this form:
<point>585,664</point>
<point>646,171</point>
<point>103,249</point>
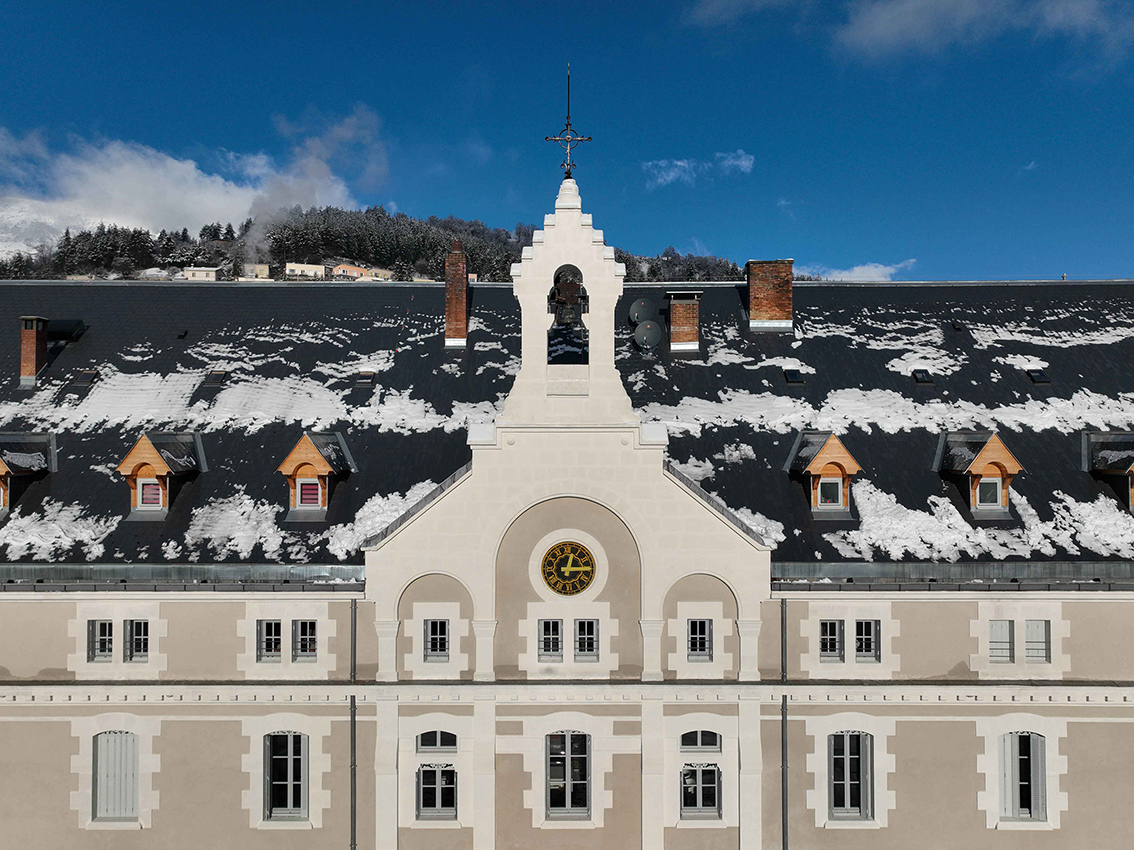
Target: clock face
<point>568,568</point>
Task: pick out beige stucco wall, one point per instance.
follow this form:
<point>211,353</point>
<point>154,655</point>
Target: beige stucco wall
<point>514,590</point>
<point>34,642</point>
<point>202,643</point>
<point>428,590</point>
<point>711,598</point>
<point>726,838</point>
<point>1098,628</point>
<point>934,641</point>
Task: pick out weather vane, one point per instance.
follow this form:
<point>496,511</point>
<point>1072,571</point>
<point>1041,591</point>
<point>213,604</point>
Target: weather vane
<point>568,139</point>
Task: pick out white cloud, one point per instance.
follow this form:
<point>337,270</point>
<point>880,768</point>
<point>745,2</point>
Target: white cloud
<point>42,191</point>
<point>1031,166</point>
<point>710,13</point>
<point>866,271</point>
<point>663,172</point>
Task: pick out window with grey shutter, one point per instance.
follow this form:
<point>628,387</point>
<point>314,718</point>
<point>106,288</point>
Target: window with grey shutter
<point>700,791</point>
<point>116,776</point>
<point>436,792</point>
<point>1037,640</point>
<point>304,642</point>
<point>269,640</point>
<point>1023,776</point>
<point>700,640</point>
<point>1000,642</point>
<point>568,775</point>
<point>137,640</point>
<point>285,776</point>
<point>586,640</point>
<point>830,640</point>
<point>550,640</point>
<point>866,635</point>
<point>100,640</point>
<point>850,775</point>
<point>436,640</point>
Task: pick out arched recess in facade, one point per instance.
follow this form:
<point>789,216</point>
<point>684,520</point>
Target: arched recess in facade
<point>701,597</point>
<point>436,597</point>
<point>567,303</point>
<point>614,596</point>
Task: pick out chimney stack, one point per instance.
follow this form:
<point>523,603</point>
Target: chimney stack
<point>456,297</point>
<point>769,294</point>
<point>684,321</point>
<point>33,348</point>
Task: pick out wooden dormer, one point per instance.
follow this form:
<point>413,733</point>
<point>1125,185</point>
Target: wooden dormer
<point>5,486</point>
<point>986,465</point>
<point>1109,456</point>
<point>310,469</point>
<point>153,465</point>
<point>23,457</point>
<point>827,467</point>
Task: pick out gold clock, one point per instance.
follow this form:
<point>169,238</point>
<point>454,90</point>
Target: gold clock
<point>568,568</point>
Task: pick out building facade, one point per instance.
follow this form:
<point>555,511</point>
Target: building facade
<point>315,610</point>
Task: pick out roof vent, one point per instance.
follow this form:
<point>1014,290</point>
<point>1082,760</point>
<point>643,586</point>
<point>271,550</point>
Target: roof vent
<point>183,334</point>
<point>1038,376</point>
<point>793,376</point>
<point>922,376</point>
<point>958,325</point>
<point>84,378</point>
<point>215,378</point>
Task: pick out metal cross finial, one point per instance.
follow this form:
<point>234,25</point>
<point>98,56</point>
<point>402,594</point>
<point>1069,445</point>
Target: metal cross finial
<point>568,139</point>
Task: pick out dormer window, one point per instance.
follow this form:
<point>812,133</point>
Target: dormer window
<point>311,468</point>
<point>157,467</point>
<point>826,468</point>
<point>1109,458</point>
<point>23,458</point>
<point>983,468</point>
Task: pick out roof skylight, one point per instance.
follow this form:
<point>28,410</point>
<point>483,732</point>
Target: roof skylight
<point>215,378</point>
<point>922,376</point>
<point>84,378</point>
<point>793,376</point>
<point>1038,376</point>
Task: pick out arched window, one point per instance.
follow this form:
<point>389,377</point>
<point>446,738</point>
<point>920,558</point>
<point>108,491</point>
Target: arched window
<point>850,781</point>
<point>701,739</point>
<point>567,338</point>
<point>285,776</point>
<point>1023,776</point>
<point>116,776</point>
<point>436,740</point>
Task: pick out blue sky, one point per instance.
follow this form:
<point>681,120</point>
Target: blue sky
<point>937,139</point>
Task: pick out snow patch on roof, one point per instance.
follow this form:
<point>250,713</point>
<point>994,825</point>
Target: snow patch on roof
<point>53,532</point>
<point>378,512</point>
<point>694,468</point>
<point>770,531</point>
<point>784,363</point>
<point>1021,361</point>
<point>235,525</point>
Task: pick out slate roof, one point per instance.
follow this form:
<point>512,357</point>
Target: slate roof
<point>293,350</point>
<point>807,445</point>
<point>1109,453</point>
<point>959,449</point>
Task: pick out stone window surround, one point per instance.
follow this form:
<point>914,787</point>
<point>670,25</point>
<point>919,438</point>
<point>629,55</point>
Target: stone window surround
<point>1054,731</point>
<point>604,746</point>
<point>723,629</point>
<point>414,663</point>
<point>285,667</point>
<point>318,765</point>
<point>881,729</point>
<point>727,760</point>
<point>850,611</point>
<point>117,667</point>
<point>1019,611</point>
<point>82,765</point>
<point>410,761</point>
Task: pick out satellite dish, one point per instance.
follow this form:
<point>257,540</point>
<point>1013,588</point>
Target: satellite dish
<point>648,335</point>
<point>642,310</point>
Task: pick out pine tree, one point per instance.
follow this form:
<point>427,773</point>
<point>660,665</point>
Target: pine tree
<point>229,233</point>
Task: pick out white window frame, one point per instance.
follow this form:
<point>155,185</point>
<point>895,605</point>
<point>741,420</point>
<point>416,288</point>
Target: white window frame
<point>1037,641</point>
<point>568,811</point>
<point>264,650</point>
<point>867,633</point>
<point>1001,651</point>
<point>439,811</point>
<point>437,636</point>
<point>114,780</point>
<point>139,488</point>
<point>299,505</point>
<point>100,641</point>
<point>831,506</point>
<point>587,645</point>
<point>304,640</point>
<point>699,647</point>
<point>826,653</point>
<point>290,812</point>
<point>136,646</point>
<point>990,506</point>
<point>865,809</point>
<point>699,772</point>
<point>1020,771</point>
<point>549,640</point>
<point>440,746</point>
<point>700,746</point>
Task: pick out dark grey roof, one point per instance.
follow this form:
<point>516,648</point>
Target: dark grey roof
<point>958,449</point>
<point>807,445</point>
<point>292,353</point>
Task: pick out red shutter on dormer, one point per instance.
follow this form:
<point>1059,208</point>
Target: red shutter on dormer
<point>309,493</point>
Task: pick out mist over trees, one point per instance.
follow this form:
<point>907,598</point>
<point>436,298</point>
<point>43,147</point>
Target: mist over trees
<point>405,246</point>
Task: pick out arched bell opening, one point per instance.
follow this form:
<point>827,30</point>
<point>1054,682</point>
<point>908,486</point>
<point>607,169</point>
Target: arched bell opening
<point>567,302</point>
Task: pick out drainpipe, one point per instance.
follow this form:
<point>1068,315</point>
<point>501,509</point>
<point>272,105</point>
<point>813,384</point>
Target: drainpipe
<point>353,725</point>
<point>783,727</point>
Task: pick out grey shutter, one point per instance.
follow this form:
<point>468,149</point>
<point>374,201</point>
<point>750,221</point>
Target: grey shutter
<point>1039,777</point>
<point>116,775</point>
<point>90,640</point>
<point>866,771</point>
<point>1007,788</point>
<point>842,640</point>
<point>830,776</point>
<point>597,653</point>
<point>709,636</point>
<point>267,776</point>
<point>877,640</point>
<point>1036,634</point>
<point>304,773</point>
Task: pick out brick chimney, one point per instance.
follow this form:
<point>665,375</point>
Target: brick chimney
<point>769,294</point>
<point>33,348</point>
<point>456,297</point>
<point>684,321</point>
